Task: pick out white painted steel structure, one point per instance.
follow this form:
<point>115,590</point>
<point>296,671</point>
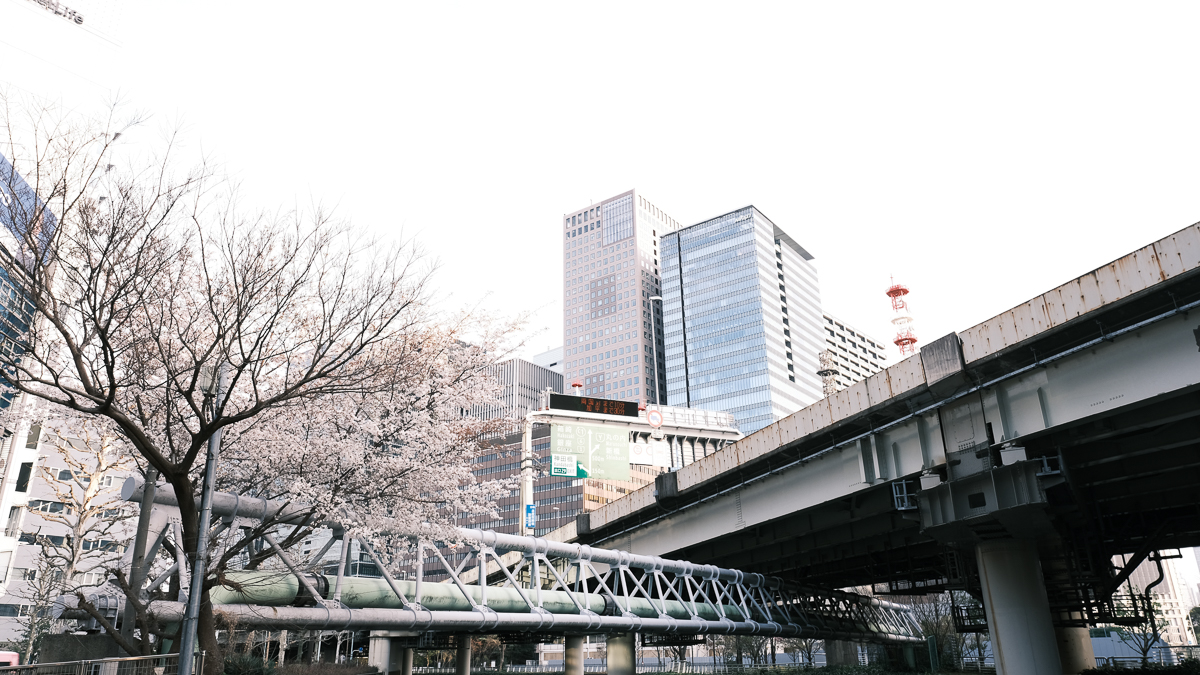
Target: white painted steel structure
<point>546,587</point>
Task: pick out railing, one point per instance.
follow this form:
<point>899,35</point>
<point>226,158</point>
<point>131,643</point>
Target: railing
<point>681,668</point>
<point>166,664</point>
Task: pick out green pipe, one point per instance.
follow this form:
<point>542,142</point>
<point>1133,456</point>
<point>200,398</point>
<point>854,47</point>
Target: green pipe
<point>275,589</point>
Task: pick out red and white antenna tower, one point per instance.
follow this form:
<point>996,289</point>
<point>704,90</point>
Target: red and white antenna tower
<point>906,339</point>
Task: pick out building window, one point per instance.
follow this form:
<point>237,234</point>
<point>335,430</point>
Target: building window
<point>23,476</point>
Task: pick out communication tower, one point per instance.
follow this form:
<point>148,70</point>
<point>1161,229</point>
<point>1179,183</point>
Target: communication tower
<point>828,373</point>
<point>906,339</point>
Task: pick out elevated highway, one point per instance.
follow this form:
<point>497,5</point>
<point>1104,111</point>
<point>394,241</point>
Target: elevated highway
<point>1012,460</point>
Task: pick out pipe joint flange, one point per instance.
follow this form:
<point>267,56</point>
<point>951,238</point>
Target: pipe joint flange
<point>611,608</point>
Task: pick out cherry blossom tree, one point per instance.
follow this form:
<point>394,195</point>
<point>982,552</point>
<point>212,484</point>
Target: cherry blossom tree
<point>342,384</point>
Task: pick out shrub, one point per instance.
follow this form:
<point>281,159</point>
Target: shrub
<point>247,664</point>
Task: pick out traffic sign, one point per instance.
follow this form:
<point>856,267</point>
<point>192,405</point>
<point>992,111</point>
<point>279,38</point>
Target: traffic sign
<point>654,418</point>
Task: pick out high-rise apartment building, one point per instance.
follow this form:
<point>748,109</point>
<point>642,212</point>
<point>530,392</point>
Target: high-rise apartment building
<point>21,211</point>
<point>742,315</point>
<point>612,331</point>
<point>855,355</point>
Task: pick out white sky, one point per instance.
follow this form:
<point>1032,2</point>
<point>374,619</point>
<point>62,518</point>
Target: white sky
<point>981,153</point>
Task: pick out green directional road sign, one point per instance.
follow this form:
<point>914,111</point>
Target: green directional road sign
<point>589,451</point>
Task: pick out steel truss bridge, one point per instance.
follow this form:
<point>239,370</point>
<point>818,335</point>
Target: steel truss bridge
<point>505,584</point>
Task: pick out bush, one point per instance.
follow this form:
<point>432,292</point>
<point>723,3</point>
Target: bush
<point>322,669</point>
<point>247,664</point>
<point>1185,667</point>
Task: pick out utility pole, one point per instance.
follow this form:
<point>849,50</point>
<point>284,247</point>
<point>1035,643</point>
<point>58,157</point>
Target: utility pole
<point>528,509</point>
<point>187,641</point>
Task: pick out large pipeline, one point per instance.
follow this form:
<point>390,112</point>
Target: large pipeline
<point>276,599</point>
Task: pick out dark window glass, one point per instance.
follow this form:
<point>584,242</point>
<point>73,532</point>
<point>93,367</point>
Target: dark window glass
<point>23,476</point>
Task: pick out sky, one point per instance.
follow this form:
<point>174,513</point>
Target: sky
<point>979,153</point>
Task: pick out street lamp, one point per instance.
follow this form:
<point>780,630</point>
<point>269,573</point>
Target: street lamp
<point>654,347</point>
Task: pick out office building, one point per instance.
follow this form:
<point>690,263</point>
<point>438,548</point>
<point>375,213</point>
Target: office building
<point>855,355</point>
<point>551,359</point>
<point>612,331</point>
<point>1171,596</point>
<point>522,384</point>
<point>742,315</point>
<point>686,435</point>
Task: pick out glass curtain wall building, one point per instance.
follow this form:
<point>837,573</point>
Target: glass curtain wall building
<point>612,331</point>
<point>742,315</point>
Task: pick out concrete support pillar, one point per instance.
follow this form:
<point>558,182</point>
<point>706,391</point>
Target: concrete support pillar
<point>462,662</point>
<point>1018,612</point>
<point>573,656</point>
<point>1075,650</point>
<point>841,653</point>
<point>406,661</point>
<point>621,657</point>
<point>380,653</point>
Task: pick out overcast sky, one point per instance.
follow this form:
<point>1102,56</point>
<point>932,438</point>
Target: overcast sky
<point>980,153</point>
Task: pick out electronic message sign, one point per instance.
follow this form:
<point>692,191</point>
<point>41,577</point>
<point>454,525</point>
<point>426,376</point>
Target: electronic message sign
<point>603,406</point>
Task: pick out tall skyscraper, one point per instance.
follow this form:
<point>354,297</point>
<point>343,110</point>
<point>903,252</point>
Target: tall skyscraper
<point>612,331</point>
<point>742,319</point>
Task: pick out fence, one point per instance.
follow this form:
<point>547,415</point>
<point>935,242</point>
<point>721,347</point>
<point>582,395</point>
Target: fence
<point>681,668</point>
<point>167,664</point>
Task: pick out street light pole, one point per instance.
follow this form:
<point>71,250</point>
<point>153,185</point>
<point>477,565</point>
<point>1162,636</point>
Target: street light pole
<point>654,347</point>
<point>187,641</point>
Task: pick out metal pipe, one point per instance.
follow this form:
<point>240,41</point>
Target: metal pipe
<point>532,545</point>
<point>224,503</point>
<point>320,618</point>
<point>137,570</point>
<point>341,571</point>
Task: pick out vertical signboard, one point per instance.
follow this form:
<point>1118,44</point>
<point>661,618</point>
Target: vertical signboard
<point>530,516</point>
<point>589,451</point>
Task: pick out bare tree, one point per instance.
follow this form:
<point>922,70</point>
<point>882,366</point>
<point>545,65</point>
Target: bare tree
<point>82,477</point>
<point>1145,636</point>
<point>147,284</point>
<point>41,587</point>
<point>805,646</point>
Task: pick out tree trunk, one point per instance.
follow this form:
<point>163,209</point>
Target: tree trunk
<point>206,637</point>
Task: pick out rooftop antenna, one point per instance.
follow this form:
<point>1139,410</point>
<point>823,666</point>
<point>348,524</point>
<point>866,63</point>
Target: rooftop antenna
<point>828,373</point>
<point>906,339</point>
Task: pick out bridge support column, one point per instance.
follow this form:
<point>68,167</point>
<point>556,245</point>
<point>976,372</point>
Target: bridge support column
<point>621,657</point>
<point>573,656</point>
<point>406,661</point>
<point>1075,649</point>
<point>841,653</point>
<point>1018,612</point>
<point>379,653</point>
<point>462,662</point>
